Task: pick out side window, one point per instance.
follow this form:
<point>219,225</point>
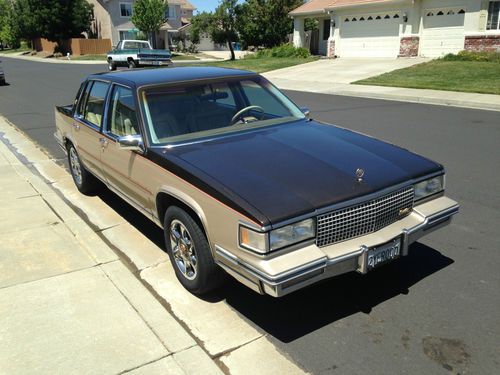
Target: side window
<point>94,108</point>
<point>122,117</point>
<point>83,100</point>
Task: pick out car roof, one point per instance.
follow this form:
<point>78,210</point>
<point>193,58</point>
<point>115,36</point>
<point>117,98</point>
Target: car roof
<point>142,77</point>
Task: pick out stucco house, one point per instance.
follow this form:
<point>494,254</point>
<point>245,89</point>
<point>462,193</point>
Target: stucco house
<point>112,20</point>
<point>392,28</point>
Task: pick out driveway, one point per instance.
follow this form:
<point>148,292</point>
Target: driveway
<point>327,72</point>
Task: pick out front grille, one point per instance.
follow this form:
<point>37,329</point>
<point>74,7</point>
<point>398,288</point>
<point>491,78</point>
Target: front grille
<point>154,57</point>
<point>363,218</point>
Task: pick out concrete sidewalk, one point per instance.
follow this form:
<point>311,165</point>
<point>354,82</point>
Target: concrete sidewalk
<point>336,76</point>
<point>84,291</point>
<point>67,302</point>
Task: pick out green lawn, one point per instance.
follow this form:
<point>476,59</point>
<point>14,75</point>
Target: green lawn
<point>259,65</point>
<point>465,76</point>
<point>88,57</point>
<point>10,51</point>
<point>177,57</point>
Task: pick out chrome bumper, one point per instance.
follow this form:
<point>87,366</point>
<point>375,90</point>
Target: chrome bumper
<point>306,274</point>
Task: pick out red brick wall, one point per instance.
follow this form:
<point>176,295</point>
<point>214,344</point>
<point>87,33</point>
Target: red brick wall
<point>482,43</point>
<point>408,46</point>
<point>330,49</point>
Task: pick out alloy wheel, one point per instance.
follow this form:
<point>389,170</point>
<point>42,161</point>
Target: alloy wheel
<point>183,250</point>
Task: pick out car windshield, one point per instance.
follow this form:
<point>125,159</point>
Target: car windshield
<point>186,112</point>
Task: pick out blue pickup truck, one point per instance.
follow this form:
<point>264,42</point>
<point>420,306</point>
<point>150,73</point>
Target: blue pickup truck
<point>135,53</point>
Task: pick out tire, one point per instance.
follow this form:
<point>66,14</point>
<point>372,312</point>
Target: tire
<point>85,182</point>
<point>111,65</point>
<point>190,253</point>
<point>132,64</point>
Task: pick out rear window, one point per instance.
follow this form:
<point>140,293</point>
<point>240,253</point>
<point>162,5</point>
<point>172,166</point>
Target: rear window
<point>135,45</point>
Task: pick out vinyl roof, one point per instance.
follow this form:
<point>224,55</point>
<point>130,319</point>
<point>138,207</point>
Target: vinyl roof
<point>150,76</point>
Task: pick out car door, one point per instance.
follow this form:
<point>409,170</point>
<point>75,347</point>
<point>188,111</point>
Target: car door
<point>124,169</point>
<point>87,123</point>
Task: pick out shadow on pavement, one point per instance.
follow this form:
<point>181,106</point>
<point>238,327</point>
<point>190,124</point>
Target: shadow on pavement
<point>307,310</point>
<point>293,316</point>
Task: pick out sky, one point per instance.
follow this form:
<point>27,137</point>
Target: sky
<point>205,5</point>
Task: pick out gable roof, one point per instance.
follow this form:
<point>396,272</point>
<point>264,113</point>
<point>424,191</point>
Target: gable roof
<point>321,6</point>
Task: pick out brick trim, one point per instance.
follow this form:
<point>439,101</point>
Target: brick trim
<point>482,43</point>
<point>408,46</point>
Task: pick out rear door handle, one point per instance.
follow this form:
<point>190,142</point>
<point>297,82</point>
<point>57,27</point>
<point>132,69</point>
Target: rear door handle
<point>76,126</point>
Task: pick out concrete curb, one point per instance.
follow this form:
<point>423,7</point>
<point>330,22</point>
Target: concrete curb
<point>195,336</point>
<point>434,97</point>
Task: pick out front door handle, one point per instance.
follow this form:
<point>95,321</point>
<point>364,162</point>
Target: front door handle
<point>76,126</point>
<point>103,142</point>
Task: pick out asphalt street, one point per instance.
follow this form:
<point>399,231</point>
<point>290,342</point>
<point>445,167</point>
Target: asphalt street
<point>436,311</point>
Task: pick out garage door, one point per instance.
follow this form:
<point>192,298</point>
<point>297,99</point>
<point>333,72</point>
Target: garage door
<point>370,35</point>
<point>443,32</point>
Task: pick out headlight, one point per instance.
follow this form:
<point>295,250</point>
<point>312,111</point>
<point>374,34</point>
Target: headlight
<point>278,238</point>
<point>429,187</point>
<point>253,240</point>
<point>291,234</point>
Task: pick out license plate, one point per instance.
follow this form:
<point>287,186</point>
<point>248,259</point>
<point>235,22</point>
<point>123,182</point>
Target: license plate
<point>157,63</point>
<point>384,253</point>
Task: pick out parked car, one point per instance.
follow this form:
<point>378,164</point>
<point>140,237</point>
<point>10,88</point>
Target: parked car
<point>135,53</point>
<point>240,178</point>
<point>2,76</point>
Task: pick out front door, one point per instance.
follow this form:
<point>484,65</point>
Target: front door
<point>87,125</point>
<point>124,169</point>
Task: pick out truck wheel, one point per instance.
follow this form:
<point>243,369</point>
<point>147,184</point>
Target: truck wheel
<point>85,182</point>
<point>132,64</point>
<point>111,65</point>
<point>189,252</point>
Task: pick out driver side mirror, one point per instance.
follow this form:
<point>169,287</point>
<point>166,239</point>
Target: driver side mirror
<point>306,111</point>
<point>131,143</point>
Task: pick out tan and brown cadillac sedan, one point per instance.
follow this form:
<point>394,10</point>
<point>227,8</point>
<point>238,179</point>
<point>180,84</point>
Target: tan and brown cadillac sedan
<point>242,181</point>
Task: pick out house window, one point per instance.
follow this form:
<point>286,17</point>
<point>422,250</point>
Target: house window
<point>326,29</point>
<point>493,22</point>
<point>171,13</point>
<point>128,34</point>
<point>125,9</point>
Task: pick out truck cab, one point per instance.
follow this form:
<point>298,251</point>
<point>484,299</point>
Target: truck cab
<point>135,53</point>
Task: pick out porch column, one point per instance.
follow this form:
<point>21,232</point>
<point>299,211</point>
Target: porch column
<point>334,34</point>
<point>298,32</point>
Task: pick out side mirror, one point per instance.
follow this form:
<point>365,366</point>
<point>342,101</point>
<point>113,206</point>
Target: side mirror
<point>306,111</point>
<point>131,143</point>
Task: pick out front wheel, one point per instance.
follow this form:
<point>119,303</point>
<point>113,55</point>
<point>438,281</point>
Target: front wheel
<point>189,252</point>
<point>85,182</point>
<point>111,65</point>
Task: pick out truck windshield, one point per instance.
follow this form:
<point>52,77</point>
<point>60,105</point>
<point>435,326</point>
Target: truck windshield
<point>181,113</point>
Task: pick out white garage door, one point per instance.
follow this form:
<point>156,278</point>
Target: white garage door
<point>443,32</point>
<point>370,35</point>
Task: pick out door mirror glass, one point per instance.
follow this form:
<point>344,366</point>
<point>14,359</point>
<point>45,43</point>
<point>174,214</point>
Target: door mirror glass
<point>131,143</point>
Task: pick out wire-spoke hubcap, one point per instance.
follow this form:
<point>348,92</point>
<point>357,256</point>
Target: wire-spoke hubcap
<point>76,169</point>
<point>183,250</point>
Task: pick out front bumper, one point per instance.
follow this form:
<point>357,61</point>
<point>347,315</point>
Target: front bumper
<point>155,62</point>
<point>335,259</point>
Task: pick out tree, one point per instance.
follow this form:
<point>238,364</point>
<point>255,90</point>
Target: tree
<point>54,20</point>
<point>265,22</point>
<point>220,25</point>
<point>149,15</point>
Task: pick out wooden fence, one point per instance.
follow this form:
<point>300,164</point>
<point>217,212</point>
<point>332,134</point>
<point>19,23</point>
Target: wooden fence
<point>75,46</point>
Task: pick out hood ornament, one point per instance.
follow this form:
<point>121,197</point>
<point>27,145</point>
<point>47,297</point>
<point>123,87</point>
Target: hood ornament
<point>359,174</point>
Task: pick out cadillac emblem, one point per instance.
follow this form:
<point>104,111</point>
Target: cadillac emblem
<point>359,174</point>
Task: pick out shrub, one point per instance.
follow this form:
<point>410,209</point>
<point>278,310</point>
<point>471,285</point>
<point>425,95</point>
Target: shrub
<point>285,50</point>
<point>473,56</point>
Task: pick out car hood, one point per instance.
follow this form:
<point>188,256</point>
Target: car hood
<point>292,169</point>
